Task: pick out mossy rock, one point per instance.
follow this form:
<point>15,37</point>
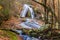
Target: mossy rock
<point>7,35</point>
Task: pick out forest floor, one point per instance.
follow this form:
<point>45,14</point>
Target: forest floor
<point>12,23</point>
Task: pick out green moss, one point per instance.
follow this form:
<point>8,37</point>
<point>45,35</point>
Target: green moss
<point>9,34</point>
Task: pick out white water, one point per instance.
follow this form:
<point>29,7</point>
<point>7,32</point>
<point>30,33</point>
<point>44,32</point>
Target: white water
<point>25,10</point>
<point>30,24</point>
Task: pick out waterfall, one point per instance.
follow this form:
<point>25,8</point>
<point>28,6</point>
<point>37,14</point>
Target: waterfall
<point>29,24</point>
<point>27,7</point>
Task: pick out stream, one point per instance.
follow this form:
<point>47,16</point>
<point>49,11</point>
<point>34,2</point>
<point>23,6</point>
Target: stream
<point>26,37</point>
<point>28,23</point>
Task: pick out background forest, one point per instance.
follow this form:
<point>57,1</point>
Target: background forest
<point>10,14</point>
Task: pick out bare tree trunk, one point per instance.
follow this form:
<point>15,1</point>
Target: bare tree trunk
<point>45,16</point>
<point>59,14</point>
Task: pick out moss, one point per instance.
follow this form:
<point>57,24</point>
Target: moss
<point>9,34</point>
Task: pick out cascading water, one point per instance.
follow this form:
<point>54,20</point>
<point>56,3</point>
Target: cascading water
<point>28,23</point>
<point>25,10</point>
